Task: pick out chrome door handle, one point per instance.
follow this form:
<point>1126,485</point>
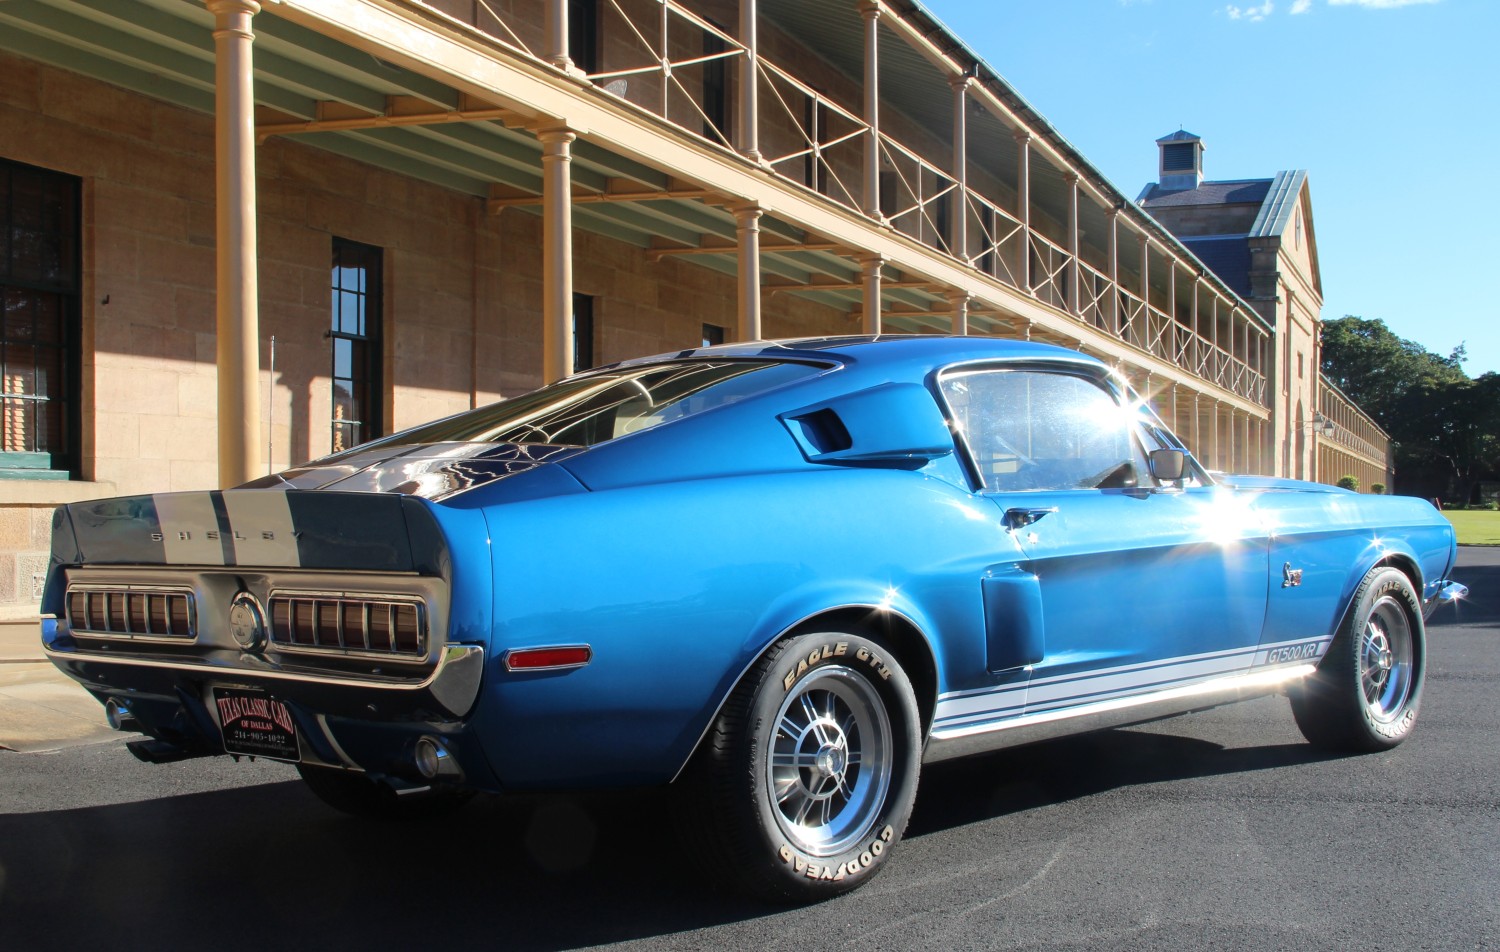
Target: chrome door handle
<point>1020,517</point>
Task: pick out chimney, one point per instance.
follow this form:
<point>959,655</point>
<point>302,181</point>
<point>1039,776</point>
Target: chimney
<point>1181,161</point>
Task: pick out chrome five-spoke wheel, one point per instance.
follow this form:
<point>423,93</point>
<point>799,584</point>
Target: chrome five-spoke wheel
<point>805,781</point>
<point>1366,690</point>
<point>830,763</point>
<point>1386,660</point>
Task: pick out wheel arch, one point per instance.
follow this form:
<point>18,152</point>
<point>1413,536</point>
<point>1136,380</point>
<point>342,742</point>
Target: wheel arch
<point>896,631</point>
<point>904,637</point>
<point>1404,562</point>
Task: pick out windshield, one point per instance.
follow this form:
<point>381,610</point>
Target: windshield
<point>583,411</point>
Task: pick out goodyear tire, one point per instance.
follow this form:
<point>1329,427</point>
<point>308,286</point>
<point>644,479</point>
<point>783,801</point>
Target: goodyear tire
<point>357,795</point>
<point>1365,694</point>
<point>807,776</point>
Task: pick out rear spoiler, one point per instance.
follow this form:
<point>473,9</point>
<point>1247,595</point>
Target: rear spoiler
<point>253,527</point>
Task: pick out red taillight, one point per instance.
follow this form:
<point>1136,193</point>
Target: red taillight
<point>538,659</point>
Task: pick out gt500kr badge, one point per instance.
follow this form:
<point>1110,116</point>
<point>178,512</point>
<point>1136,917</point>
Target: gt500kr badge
<point>853,867</point>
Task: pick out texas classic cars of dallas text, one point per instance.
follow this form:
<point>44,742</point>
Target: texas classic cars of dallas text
<point>781,575</point>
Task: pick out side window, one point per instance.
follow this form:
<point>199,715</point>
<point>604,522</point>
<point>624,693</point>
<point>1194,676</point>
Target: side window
<point>358,276</point>
<point>1037,430</point>
<point>39,306</point>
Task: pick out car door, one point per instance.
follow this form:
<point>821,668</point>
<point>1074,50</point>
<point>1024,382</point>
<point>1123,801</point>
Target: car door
<point>1142,587</point>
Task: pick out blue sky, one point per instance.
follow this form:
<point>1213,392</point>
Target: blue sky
<point>1389,104</point>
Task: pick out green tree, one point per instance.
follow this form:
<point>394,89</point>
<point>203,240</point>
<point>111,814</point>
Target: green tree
<point>1455,426</point>
<point>1446,427</point>
<point>1377,370</point>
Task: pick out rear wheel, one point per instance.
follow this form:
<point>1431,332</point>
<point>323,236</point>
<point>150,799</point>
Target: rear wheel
<point>1364,695</point>
<point>808,775</point>
<point>356,794</point>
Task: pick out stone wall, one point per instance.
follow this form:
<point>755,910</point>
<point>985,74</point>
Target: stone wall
<point>462,295</point>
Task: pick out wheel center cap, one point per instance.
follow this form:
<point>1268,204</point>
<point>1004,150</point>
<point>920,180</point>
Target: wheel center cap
<point>831,760</point>
<point>1380,652</point>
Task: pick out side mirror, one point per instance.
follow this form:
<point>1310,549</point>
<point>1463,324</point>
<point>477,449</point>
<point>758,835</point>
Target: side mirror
<point>1168,465</point>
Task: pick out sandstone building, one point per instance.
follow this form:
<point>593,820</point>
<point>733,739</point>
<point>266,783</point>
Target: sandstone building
<point>1257,235</point>
<point>236,235</point>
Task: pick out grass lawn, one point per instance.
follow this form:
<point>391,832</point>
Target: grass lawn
<point>1475,527</point>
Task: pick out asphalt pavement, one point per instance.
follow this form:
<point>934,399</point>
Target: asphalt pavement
<point>1218,830</point>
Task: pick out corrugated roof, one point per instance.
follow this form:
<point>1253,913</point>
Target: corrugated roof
<point>1276,210</point>
<point>1243,192</point>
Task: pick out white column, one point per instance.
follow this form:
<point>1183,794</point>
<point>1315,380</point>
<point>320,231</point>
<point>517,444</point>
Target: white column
<point>237,324</point>
<point>557,252</point>
<point>1075,306</point>
<point>1143,329</point>
<point>959,302</point>
<point>748,121</point>
<point>557,34</point>
<point>1114,271</point>
<point>959,216</point>
<point>871,12</point>
<point>1172,291</point>
<point>1023,209</point>
<point>747,229</point>
<point>1197,281</point>
<point>870,272</point>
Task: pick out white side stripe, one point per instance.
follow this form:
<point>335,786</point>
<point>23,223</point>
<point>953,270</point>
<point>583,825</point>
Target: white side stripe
<point>1064,691</point>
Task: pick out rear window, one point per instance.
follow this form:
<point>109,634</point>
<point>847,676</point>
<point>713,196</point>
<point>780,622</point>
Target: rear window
<point>583,411</point>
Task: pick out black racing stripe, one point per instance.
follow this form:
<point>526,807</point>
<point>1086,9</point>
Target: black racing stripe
<point>337,530</point>
<point>226,528</point>
<point>123,530</point>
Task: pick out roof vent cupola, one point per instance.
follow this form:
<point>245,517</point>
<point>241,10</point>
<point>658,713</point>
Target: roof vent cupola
<point>1181,161</point>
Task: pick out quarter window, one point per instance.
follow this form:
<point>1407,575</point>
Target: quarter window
<point>358,277</point>
<point>1035,430</point>
<point>39,300</point>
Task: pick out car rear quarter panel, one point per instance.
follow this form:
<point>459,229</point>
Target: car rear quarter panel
<point>1334,539</point>
<point>679,588</point>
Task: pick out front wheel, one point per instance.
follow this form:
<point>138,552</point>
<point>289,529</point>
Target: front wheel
<point>1365,693</point>
<point>808,775</point>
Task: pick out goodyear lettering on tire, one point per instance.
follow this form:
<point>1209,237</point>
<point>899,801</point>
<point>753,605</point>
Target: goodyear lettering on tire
<point>803,866</point>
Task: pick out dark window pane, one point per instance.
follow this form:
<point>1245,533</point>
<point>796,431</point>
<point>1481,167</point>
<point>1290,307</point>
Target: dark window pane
<point>19,315</point>
<point>583,34</point>
<point>357,279</point>
<point>583,332</point>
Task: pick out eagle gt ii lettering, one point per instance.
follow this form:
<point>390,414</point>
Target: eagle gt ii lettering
<point>777,576</point>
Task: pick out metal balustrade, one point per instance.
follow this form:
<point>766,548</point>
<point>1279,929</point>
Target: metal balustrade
<point>811,139</point>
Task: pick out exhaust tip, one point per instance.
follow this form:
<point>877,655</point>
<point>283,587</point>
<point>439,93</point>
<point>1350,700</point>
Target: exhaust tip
<point>117,715</point>
<point>433,760</point>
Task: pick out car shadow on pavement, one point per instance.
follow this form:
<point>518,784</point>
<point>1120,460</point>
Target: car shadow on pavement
<point>987,786</point>
<point>261,866</point>
<point>270,867</point>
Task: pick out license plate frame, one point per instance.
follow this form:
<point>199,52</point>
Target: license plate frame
<point>257,724</point>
